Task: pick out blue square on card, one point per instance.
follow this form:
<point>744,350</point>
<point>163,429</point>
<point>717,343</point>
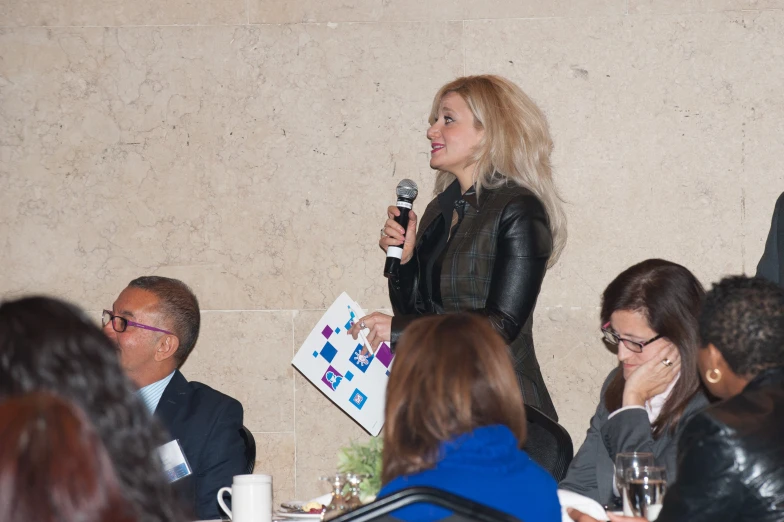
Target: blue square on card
<point>358,399</point>
<point>315,354</point>
<point>360,360</point>
<point>337,330</point>
<point>349,376</point>
<point>328,352</point>
<point>387,373</point>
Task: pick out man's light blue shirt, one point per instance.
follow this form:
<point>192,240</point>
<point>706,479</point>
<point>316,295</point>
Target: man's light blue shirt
<point>151,394</point>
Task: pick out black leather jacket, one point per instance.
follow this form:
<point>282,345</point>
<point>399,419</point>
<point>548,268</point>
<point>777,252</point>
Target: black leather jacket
<point>731,459</point>
<point>493,265</point>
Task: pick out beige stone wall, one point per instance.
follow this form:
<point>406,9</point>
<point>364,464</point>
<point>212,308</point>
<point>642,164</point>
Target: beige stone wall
<point>250,147</point>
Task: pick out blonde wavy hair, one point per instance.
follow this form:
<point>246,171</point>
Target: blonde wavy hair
<point>515,147</point>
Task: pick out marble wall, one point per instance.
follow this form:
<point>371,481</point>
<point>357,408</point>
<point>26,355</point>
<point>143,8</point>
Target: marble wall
<point>250,147</point>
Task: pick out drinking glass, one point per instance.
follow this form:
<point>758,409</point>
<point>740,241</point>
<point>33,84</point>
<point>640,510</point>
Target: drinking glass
<point>338,503</point>
<point>354,480</point>
<point>623,462</point>
<point>645,489</point>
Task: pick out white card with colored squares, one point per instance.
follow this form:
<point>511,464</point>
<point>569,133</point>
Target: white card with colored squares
<point>333,361</point>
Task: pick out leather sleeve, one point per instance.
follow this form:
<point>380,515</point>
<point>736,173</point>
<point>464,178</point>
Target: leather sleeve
<point>222,458</point>
<point>709,487</point>
<point>524,247</point>
<point>399,324</point>
<point>404,297</point>
<point>402,287</point>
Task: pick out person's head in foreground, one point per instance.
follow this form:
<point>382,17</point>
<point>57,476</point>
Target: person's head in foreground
<point>650,312</point>
<point>455,420</point>
<point>49,345</point>
<point>53,465</point>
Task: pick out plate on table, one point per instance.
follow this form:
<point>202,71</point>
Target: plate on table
<point>294,509</point>
<point>294,515</point>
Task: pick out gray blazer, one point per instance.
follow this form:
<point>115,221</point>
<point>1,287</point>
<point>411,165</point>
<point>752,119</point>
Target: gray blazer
<point>591,472</point>
<point>770,264</point>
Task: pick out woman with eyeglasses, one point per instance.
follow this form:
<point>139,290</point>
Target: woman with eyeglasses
<point>730,455</point>
<point>650,313</point>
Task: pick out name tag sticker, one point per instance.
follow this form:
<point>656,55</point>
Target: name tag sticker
<point>175,465</point>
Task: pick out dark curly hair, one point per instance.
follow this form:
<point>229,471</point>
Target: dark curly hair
<point>46,441</point>
<point>50,345</point>
<point>180,306</point>
<point>743,317</point>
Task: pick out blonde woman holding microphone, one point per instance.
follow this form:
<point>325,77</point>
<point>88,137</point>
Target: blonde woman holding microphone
<point>494,228</point>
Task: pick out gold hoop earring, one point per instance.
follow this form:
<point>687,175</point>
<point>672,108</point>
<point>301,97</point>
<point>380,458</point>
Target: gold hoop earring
<point>711,378</point>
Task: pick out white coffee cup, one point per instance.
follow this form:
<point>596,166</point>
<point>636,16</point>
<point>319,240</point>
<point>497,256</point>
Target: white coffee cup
<point>251,498</point>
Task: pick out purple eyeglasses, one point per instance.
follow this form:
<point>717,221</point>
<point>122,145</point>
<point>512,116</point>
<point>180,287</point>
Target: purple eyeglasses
<point>121,323</point>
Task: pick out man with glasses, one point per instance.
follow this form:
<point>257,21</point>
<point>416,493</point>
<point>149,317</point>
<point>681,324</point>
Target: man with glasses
<point>155,324</point>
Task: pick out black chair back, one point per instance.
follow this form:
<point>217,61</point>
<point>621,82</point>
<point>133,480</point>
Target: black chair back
<point>462,508</point>
<point>548,443</point>
<point>250,449</point>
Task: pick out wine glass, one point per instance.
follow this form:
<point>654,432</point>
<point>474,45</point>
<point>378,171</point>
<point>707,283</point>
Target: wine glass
<point>645,489</point>
<point>354,480</point>
<point>338,503</point>
<point>625,461</point>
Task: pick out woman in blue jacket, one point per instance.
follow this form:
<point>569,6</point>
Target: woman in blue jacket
<point>455,421</point>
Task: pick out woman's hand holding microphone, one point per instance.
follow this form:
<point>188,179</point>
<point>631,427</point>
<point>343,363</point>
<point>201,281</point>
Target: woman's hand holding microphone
<point>393,234</point>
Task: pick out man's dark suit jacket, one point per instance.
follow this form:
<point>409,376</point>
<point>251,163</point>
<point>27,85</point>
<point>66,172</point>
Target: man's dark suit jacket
<point>771,265</point>
<point>207,423</point>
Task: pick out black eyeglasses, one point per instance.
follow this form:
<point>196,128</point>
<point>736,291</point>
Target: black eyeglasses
<point>121,323</point>
<point>612,337</point>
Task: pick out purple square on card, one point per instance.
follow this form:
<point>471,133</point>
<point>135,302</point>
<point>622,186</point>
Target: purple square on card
<point>384,355</point>
<point>326,332</point>
<point>332,378</point>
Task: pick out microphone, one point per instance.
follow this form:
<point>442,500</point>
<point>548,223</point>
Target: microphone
<point>406,194</point>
